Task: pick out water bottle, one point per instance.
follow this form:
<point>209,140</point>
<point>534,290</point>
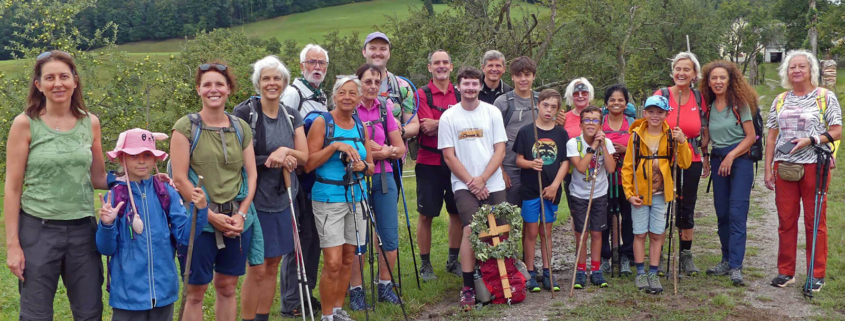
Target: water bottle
<point>481,293</point>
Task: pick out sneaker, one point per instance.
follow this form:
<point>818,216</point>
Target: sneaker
<point>654,286</point>
<point>580,280</point>
<point>817,284</point>
<point>661,266</point>
<point>454,267</point>
<point>357,301</point>
<point>547,283</point>
<point>341,315</point>
<point>325,318</point>
<point>427,272</point>
<point>720,269</point>
<point>467,298</point>
<point>625,265</point>
<point>597,279</point>
<point>783,280</point>
<point>295,313</point>
<point>641,281</point>
<point>736,277</point>
<point>687,264</point>
<point>605,265</point>
<point>531,284</point>
<point>385,293</point>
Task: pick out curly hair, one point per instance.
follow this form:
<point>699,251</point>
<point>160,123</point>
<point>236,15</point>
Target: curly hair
<point>739,92</point>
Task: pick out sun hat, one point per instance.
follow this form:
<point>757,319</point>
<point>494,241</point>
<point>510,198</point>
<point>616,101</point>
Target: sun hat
<point>136,141</point>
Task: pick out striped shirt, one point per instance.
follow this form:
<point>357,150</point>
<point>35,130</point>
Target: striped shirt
<point>800,117</point>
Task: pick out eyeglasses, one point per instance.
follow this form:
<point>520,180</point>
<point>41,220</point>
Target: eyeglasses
<point>591,121</point>
<point>219,67</point>
<point>316,62</point>
<point>48,54</point>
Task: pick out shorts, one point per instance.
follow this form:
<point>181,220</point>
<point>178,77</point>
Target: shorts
<point>159,313</point>
<point>531,211</point>
<point>468,204</point>
<point>650,218</point>
<point>207,259</point>
<point>598,213</point>
<point>434,186</point>
<point>277,228</point>
<point>338,225</point>
<point>386,211</point>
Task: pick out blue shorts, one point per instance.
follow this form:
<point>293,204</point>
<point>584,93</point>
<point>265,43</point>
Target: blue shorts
<point>207,259</point>
<point>277,228</point>
<point>650,218</point>
<point>531,211</point>
<point>386,211</point>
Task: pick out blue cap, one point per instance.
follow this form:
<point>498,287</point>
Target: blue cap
<point>658,101</point>
<point>376,35</point>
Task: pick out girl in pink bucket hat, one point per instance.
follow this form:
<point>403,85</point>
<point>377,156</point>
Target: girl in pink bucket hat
<point>139,238</point>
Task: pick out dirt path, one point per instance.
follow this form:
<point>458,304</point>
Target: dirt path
<point>758,300</point>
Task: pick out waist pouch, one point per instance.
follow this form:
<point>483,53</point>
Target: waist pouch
<point>790,172</point>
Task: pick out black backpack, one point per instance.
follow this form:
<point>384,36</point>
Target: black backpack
<point>755,153</point>
<point>428,98</point>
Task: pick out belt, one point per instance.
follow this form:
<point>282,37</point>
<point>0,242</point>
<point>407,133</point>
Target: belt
<point>228,208</point>
<point>74,222</point>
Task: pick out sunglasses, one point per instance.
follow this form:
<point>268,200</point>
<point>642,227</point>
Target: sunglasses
<point>48,54</point>
<point>591,121</point>
<point>207,67</point>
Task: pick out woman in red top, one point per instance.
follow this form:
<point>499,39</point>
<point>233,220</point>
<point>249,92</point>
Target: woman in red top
<point>578,96</point>
<point>685,71</point>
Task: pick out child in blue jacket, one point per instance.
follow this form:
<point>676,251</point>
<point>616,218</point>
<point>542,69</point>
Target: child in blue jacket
<point>137,231</point>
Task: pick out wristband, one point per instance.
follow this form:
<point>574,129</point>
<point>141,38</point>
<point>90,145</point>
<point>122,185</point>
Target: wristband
<point>829,138</point>
<point>366,167</point>
<point>812,140</point>
<point>705,154</point>
<point>242,214</point>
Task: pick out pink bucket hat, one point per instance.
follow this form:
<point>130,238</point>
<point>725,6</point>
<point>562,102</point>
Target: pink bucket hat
<point>136,141</point>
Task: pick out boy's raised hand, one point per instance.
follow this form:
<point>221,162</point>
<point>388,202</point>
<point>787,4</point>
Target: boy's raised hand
<point>198,197</point>
<point>537,164</point>
<point>108,213</point>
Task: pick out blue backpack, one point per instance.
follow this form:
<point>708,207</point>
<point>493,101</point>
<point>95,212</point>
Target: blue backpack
<point>308,179</point>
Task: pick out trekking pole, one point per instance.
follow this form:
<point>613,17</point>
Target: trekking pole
<point>301,276</point>
<point>369,230</point>
<point>545,251</point>
<point>615,231</point>
<point>350,181</point>
<point>368,214</point>
<point>586,223</point>
<point>408,224</point>
<point>822,170</point>
<point>675,270</point>
<point>187,272</point>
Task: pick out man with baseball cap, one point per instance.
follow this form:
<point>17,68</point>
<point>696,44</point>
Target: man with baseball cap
<point>377,52</point>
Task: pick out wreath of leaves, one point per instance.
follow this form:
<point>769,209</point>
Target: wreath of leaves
<point>507,248</point>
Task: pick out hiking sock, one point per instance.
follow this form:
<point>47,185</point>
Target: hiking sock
<point>640,268</point>
<point>686,245</point>
<point>652,269</point>
<point>384,282</point>
<point>263,317</point>
<point>353,288</point>
<point>425,258</point>
<point>335,309</point>
<point>582,267</point>
<point>595,266</point>
<point>469,279</point>
<point>453,254</point>
<point>533,274</point>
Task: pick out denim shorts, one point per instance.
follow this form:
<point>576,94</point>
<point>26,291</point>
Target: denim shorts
<point>650,218</point>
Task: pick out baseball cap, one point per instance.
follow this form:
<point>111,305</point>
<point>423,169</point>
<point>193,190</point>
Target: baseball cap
<point>657,101</point>
<point>376,35</point>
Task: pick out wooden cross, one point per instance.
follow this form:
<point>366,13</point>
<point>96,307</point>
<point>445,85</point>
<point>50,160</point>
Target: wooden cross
<point>495,231</point>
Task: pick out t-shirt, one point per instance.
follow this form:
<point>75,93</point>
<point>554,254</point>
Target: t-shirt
<point>222,180</point>
<point>443,100</point>
<point>549,147</point>
<point>580,187</point>
<point>473,134</point>
<point>403,98</point>
<point>690,118</point>
<point>521,117</point>
<point>619,136</point>
<point>800,117</point>
<point>572,124</point>
<point>310,98</point>
<point>376,129</point>
<point>653,143</point>
<point>271,194</point>
<point>724,128</point>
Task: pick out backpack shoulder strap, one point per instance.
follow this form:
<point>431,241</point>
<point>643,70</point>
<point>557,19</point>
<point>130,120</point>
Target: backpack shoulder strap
<point>457,93</point>
<point>120,192</point>
<point>196,128</point>
<point>383,118</point>
<point>428,97</point>
<point>580,146</point>
<point>301,99</point>
<point>329,120</point>
<point>236,123</point>
<point>779,102</point>
<point>664,92</point>
<point>508,112</point>
<point>253,114</point>
<point>821,100</point>
<point>163,195</point>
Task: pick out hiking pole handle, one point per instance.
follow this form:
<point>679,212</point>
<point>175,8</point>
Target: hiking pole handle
<point>187,271</point>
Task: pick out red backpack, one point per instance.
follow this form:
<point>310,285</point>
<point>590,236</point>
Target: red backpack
<point>490,275</point>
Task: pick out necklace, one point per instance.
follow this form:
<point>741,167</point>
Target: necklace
<point>53,120</point>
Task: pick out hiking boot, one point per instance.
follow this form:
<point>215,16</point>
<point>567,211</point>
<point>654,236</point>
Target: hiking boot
<point>427,272</point>
<point>357,301</point>
<point>454,267</point>
<point>605,265</point>
<point>736,277</point>
<point>531,284</point>
<point>597,279</point>
<point>385,293</point>
<point>580,280</point>
<point>547,283</point>
<point>625,265</point>
<point>661,266</point>
<point>687,264</point>
<point>641,281</point>
<point>817,284</point>
<point>341,315</point>
<point>720,269</point>
<point>654,286</point>
<point>783,280</point>
<point>467,298</point>
<point>295,313</point>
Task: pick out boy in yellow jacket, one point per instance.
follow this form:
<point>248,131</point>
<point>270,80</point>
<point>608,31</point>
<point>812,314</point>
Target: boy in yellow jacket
<point>647,180</point>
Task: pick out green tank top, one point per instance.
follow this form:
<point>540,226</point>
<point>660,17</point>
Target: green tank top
<point>57,182</point>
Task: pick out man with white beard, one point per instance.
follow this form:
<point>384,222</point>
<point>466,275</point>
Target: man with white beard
<point>304,94</point>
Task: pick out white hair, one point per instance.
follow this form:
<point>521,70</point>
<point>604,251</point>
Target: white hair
<point>785,82</point>
<point>342,81</point>
<point>269,62</point>
<point>492,55</point>
<point>571,88</point>
<point>310,47</point>
<point>687,55</point>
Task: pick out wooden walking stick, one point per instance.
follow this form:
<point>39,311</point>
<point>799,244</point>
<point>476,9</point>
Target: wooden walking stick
<point>545,251</point>
<point>187,272</point>
<point>580,248</point>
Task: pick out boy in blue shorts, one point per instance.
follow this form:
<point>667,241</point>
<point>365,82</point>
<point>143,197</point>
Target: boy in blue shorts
<point>546,155</point>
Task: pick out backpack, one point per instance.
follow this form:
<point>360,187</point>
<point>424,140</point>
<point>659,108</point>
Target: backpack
<point>321,99</point>
<point>640,157</point>
<point>382,119</point>
<point>695,93</point>
<point>197,127</point>
<point>428,97</point>
<point>821,101</point>
<point>756,151</point>
<point>508,113</point>
<point>255,114</point>
<point>630,112</point>
<point>309,179</point>
<point>493,282</point>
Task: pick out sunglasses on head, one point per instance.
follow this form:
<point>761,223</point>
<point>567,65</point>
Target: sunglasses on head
<point>207,67</point>
<point>48,54</point>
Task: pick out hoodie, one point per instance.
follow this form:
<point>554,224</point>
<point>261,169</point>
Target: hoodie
<point>645,168</point>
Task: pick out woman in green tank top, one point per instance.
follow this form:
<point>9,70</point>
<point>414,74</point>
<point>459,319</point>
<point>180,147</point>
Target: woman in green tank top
<point>55,152</point>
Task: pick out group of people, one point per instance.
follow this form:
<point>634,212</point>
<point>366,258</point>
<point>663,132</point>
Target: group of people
<point>293,174</point>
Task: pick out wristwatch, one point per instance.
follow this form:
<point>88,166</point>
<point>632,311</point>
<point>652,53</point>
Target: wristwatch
<point>242,214</point>
<point>590,150</point>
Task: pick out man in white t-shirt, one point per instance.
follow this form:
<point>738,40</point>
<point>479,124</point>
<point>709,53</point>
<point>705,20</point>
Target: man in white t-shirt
<point>472,137</point>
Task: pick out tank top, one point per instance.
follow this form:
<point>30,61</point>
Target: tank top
<point>57,182</point>
<point>333,169</point>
